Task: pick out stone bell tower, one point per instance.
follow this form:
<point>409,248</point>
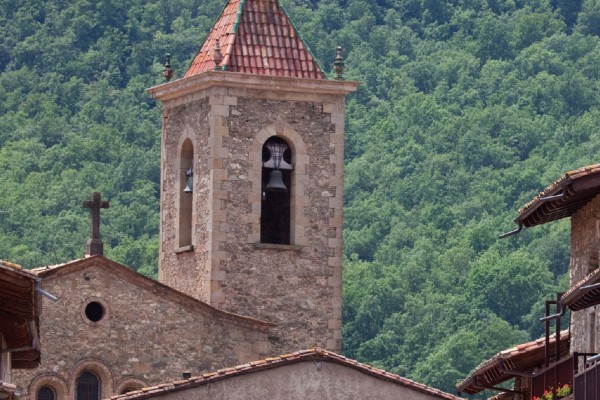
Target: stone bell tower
<point>252,178</point>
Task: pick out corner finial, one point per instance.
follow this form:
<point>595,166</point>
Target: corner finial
<point>217,55</point>
<point>338,65</point>
<point>168,71</point>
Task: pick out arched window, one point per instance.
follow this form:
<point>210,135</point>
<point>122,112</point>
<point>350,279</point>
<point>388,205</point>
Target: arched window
<point>88,386</point>
<point>186,172</point>
<point>46,393</point>
<point>276,191</point>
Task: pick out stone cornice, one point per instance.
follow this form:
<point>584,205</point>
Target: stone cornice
<point>205,80</point>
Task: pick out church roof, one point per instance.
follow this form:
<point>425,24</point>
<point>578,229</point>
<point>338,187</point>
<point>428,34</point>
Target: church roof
<point>121,271</point>
<point>256,37</point>
<point>315,354</point>
<point>563,197</point>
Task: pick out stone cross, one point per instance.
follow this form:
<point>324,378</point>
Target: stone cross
<point>94,245</point>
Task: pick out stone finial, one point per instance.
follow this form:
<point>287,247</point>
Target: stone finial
<point>168,71</point>
<point>338,65</point>
<point>94,245</point>
<point>217,55</point>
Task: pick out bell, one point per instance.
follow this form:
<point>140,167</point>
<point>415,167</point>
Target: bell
<point>275,182</point>
<point>190,182</point>
<point>188,187</point>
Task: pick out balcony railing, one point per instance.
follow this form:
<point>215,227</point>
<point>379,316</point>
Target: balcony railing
<point>587,382</point>
<point>552,377</point>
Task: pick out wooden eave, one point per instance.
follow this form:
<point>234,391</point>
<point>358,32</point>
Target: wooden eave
<point>517,361</point>
<point>579,297</point>
<point>20,307</point>
<point>562,198</point>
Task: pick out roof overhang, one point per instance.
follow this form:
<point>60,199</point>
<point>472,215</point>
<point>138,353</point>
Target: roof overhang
<point>20,307</point>
<point>562,198</point>
<point>205,80</point>
<point>517,361</point>
<point>584,294</point>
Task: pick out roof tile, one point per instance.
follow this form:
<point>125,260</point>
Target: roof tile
<point>262,28</point>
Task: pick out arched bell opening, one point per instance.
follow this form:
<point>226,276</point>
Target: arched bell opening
<point>186,187</point>
<point>276,186</point>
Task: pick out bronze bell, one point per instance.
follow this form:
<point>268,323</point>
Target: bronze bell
<point>276,182</point>
<point>190,183</point>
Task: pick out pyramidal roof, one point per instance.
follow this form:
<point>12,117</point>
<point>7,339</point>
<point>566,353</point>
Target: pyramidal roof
<point>256,37</point>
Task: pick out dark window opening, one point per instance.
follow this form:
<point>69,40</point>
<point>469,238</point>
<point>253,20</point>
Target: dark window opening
<point>94,311</point>
<point>46,393</point>
<point>88,387</point>
<point>186,188</point>
<point>128,389</point>
<point>276,204</point>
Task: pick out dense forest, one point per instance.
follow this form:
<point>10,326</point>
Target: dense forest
<point>468,109</point>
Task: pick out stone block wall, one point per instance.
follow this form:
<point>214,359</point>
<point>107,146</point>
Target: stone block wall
<point>186,269</point>
<point>585,248</point>
<point>149,334</point>
<point>298,286</point>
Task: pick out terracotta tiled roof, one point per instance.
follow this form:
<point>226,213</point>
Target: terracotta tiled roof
<point>521,358</point>
<point>563,197</point>
<point>273,362</point>
<point>55,271</point>
<point>578,299</point>
<point>256,37</point>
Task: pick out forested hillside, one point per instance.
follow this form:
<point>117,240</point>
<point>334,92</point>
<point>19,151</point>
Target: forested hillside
<point>468,109</point>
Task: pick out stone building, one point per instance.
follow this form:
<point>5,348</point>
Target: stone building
<point>576,195</point>
<point>250,257</point>
<point>254,101</point>
<point>130,331</point>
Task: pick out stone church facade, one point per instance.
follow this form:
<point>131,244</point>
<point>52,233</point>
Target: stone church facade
<point>130,331</point>
<point>226,264</point>
<point>250,252</point>
<point>230,244</point>
<point>252,86</point>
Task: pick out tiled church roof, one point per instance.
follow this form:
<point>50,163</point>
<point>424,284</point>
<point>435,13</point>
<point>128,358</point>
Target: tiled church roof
<point>257,37</point>
<point>314,354</point>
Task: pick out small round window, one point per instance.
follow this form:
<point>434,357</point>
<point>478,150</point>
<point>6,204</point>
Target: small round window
<point>94,311</point>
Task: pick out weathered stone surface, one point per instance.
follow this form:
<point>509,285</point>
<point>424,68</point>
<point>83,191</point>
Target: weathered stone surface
<point>296,287</point>
<point>149,333</point>
<point>585,248</point>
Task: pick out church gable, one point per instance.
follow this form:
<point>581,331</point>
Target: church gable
<point>306,374</point>
<point>130,331</point>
